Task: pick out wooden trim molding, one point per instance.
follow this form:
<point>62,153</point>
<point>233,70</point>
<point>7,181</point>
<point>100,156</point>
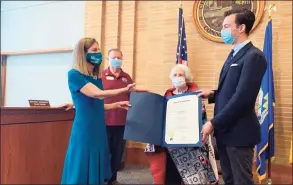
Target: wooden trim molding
<point>3,78</point>
<point>20,115</point>
<point>33,52</point>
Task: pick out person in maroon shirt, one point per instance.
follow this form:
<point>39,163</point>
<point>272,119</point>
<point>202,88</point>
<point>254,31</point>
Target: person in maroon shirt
<point>114,77</point>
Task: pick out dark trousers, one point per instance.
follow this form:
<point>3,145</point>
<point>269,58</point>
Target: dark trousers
<point>236,164</point>
<point>116,147</point>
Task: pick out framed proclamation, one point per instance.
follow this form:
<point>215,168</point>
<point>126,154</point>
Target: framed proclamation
<point>175,121</point>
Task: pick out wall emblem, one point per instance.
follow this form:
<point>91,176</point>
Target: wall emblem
<point>208,15</point>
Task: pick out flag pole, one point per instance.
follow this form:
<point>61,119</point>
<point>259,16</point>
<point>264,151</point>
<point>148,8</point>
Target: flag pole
<point>269,181</point>
<point>270,8</point>
<point>180,31</point>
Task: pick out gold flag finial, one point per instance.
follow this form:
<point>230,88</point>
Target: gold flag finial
<point>180,4</point>
<point>271,8</point>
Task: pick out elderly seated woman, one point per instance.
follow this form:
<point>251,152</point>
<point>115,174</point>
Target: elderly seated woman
<point>167,164</point>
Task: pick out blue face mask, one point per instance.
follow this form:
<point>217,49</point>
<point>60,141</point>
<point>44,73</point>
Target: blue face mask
<point>226,35</point>
<point>115,62</point>
<point>94,58</point>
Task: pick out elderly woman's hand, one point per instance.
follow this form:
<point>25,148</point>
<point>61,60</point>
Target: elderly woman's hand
<point>203,106</point>
<point>130,87</point>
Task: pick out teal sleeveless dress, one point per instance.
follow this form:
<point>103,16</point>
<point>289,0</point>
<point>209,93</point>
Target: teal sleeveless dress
<point>87,159</point>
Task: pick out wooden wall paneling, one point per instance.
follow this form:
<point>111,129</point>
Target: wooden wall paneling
<point>33,153</point>
<point>94,23</point>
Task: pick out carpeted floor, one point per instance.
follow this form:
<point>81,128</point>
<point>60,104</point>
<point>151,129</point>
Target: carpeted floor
<point>136,175</point>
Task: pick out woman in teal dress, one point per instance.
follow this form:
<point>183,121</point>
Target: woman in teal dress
<point>87,159</point>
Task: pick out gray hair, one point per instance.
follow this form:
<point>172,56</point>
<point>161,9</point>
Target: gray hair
<point>115,49</point>
<point>187,71</point>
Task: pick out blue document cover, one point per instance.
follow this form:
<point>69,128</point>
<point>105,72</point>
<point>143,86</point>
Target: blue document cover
<point>146,119</point>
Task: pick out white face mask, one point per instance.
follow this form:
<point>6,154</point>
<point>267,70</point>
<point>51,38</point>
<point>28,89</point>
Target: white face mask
<point>178,82</point>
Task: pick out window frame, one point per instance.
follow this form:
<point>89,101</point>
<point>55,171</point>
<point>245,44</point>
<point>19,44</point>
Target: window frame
<point>3,66</point>
<point>3,79</point>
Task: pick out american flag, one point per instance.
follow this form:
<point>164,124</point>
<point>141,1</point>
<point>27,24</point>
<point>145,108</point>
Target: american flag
<point>181,56</point>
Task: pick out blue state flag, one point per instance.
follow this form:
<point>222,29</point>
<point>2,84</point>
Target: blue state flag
<point>265,149</point>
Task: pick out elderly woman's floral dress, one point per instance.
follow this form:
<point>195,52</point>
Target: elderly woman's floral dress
<point>188,165</point>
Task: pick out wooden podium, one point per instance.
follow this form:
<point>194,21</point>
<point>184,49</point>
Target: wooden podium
<point>33,144</point>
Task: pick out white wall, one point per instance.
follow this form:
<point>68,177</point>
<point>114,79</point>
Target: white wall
<point>29,25</point>
<point>39,25</point>
<point>37,77</point>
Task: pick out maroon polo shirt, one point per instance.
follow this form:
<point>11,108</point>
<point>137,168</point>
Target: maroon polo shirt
<point>115,117</point>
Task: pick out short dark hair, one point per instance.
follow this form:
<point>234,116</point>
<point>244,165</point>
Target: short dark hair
<point>115,49</point>
<point>242,16</point>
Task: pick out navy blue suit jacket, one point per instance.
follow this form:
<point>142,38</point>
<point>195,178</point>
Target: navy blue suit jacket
<point>235,121</point>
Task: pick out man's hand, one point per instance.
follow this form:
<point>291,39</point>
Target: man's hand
<point>205,93</point>
<point>123,105</point>
<point>67,106</point>
<point>130,87</point>
<point>206,130</point>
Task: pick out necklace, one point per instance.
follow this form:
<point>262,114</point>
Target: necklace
<point>182,91</point>
<point>93,76</point>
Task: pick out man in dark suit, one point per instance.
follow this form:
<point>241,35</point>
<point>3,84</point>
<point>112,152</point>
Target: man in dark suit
<point>235,124</point>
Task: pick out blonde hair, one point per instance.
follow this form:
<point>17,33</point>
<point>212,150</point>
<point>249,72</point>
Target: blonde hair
<point>79,57</point>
